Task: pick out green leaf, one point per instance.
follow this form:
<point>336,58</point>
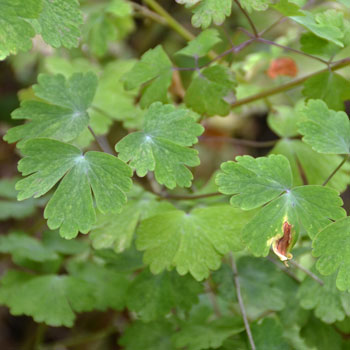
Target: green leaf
<point>325,130</point>
<point>193,242</point>
<point>49,298</point>
<point>331,245</point>
<point>207,92</point>
<point>23,246</point>
<point>162,145</point>
<point>257,5</point>
<point>53,241</point>
<point>100,30</point>
<point>314,45</point>
<point>117,230</point>
<point>307,208</point>
<point>71,207</point>
<point>202,44</point>
<point>312,167</point>
<point>328,302</point>
<point>110,287</point>
<point>208,11</point>
<point>321,336</point>
<point>154,296</point>
<point>60,21</point>
<point>197,334</point>
<point>156,68</point>
<point>262,286</point>
<point>288,8</point>
<point>330,87</point>
<point>9,206</point>
<point>120,8</point>
<point>268,335</point>
<point>62,113</point>
<point>151,336</point>
<point>322,25</point>
<point>283,121</point>
<point>254,181</point>
<point>15,31</point>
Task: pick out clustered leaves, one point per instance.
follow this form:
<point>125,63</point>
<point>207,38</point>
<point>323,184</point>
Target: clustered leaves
<point>179,259</point>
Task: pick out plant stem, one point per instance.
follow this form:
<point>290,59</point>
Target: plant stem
<point>284,269</point>
<point>305,270</point>
<point>212,298</point>
<point>269,42</point>
<point>291,85</point>
<point>148,13</point>
<point>172,22</point>
<point>101,142</point>
<point>245,13</point>
<point>336,170</point>
<point>240,302</point>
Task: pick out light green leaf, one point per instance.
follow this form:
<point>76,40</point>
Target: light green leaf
<point>53,241</point>
<point>110,287</point>
<point>328,302</point>
<point>202,44</point>
<point>314,45</point>
<point>268,335</point>
<point>331,245</point>
<point>154,67</point>
<point>288,8</point>
<point>262,287</point>
<point>330,87</point>
<point>321,336</point>
<point>208,11</point>
<point>162,146</point>
<point>193,242</point>
<point>60,21</point>
<point>151,336</point>
<point>49,298</point>
<point>15,31</point>
<point>117,230</point>
<point>283,121</point>
<point>197,334</point>
<point>154,296</point>
<point>325,130</point>
<point>207,92</point>
<point>254,181</point>
<point>71,207</point>
<point>99,31</point>
<point>120,8</point>
<point>21,245</point>
<point>62,113</point>
<point>9,206</point>
<point>312,167</point>
<point>322,25</point>
<point>307,208</point>
<point>257,5</point>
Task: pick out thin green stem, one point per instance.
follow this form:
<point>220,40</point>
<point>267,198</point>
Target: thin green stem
<point>336,170</point>
<point>241,303</point>
<point>171,21</point>
<point>102,142</point>
<point>289,86</point>
<point>245,13</point>
<point>146,12</point>
<point>306,271</point>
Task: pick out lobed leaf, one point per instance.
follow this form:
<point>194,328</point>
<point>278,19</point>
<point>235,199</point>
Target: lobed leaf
<point>193,242</point>
<point>162,146</point>
<point>71,207</point>
<point>61,113</point>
